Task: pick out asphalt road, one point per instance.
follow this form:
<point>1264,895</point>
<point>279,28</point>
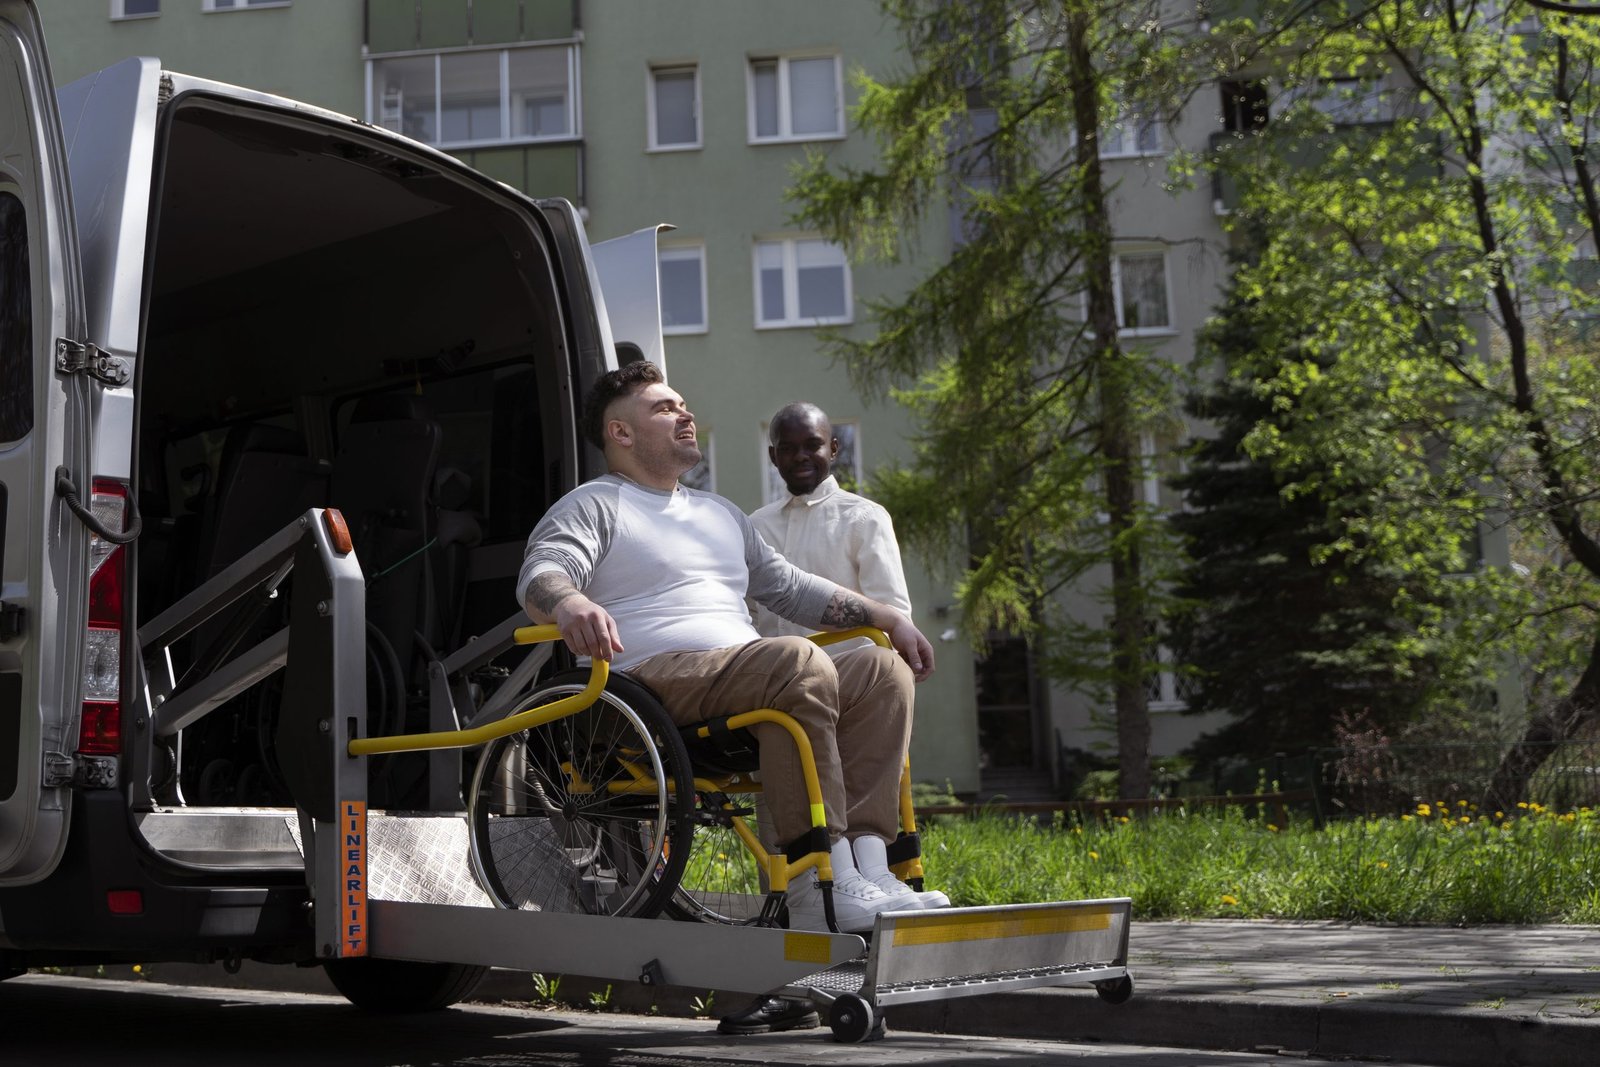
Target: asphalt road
<point>53,1021</point>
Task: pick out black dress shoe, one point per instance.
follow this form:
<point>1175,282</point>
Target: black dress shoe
<point>770,1015</point>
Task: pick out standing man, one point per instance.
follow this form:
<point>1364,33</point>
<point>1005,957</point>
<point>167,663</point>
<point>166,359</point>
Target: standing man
<point>636,569</point>
<point>847,539</point>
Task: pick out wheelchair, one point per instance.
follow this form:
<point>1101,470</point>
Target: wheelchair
<point>604,805</point>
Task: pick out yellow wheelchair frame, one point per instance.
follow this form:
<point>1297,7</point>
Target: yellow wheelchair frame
<point>603,792</point>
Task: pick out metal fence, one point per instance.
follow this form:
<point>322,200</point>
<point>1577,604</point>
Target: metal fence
<point>1393,779</point>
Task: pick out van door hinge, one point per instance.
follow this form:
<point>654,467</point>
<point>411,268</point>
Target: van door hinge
<point>73,357</point>
<point>58,770</point>
<point>84,772</point>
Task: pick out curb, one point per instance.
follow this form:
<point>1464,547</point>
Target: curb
<point>1337,1029</point>
<point>1441,1037</point>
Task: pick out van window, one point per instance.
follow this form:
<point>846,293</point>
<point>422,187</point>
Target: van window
<point>16,322</point>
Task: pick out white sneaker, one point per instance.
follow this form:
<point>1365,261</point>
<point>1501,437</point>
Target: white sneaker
<point>872,860</point>
<point>856,901</point>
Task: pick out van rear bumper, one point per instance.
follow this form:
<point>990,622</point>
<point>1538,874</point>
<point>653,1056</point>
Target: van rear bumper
<point>184,914</point>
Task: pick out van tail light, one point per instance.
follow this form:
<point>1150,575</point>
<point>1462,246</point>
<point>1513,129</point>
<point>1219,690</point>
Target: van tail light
<point>100,733</point>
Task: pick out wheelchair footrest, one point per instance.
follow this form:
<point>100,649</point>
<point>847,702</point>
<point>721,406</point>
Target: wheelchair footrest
<point>956,952</point>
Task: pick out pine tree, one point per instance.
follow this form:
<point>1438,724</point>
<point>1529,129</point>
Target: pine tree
<point>1288,638</point>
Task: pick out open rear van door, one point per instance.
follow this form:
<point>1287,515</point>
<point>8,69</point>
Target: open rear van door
<point>44,561</point>
<point>630,279</point>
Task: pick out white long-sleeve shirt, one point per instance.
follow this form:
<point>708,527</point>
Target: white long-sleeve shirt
<point>840,536</point>
<point>672,568</point>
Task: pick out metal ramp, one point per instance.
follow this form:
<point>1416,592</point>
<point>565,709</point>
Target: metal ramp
<point>913,956</point>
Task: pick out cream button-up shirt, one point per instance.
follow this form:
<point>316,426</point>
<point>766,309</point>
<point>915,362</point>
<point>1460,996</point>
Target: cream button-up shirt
<point>840,536</point>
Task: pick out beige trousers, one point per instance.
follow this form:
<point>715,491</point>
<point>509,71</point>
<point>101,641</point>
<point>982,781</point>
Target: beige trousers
<point>856,712</point>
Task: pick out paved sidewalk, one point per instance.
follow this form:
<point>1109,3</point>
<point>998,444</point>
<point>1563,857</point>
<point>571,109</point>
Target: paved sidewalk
<point>1465,997</point>
<point>1498,996</point>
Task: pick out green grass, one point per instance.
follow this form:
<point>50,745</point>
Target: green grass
<point>1442,864</point>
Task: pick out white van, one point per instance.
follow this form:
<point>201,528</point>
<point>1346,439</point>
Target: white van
<point>219,309</point>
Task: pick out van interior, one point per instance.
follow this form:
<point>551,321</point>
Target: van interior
<point>330,323</point>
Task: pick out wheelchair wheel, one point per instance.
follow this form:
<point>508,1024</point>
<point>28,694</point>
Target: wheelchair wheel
<point>583,814</point>
<point>722,881</point>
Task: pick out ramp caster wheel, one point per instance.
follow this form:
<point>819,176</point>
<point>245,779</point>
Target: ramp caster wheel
<point>1115,990</point>
<point>853,1020</point>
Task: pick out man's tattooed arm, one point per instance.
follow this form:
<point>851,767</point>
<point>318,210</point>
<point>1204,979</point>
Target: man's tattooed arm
<point>588,628</point>
<point>845,611</point>
<point>546,592</point>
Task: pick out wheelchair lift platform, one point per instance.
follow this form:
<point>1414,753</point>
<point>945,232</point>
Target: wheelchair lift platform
<point>425,906</point>
<point>913,956</point>
<point>910,956</point>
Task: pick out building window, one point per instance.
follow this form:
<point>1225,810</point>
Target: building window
<point>674,108</point>
<point>135,9</point>
<point>703,475</point>
<point>239,5</point>
<point>1165,687</point>
<point>801,282</point>
<point>682,271</point>
<point>1354,101</point>
<point>1244,106</point>
<point>846,466</point>
<point>1133,133</point>
<point>477,97</point>
<point>1139,282</point>
<point>796,98</point>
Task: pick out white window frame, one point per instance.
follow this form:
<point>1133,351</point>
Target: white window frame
<point>650,95</point>
<point>243,5</point>
<point>785,134</point>
<point>1126,127</point>
<point>119,14</point>
<point>848,434</point>
<point>1164,687</point>
<point>1166,287</point>
<point>683,250</point>
<point>791,285</point>
<point>574,94</point>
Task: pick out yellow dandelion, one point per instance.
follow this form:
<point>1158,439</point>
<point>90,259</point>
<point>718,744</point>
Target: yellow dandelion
<point>137,969</point>
<point>1499,814</point>
<point>1229,900</point>
<point>1271,828</point>
<point>1522,804</point>
<point>1383,865</point>
<point>1094,855</point>
<point>1424,810</point>
<point>1122,818</point>
<point>1461,803</point>
<point>1406,818</point>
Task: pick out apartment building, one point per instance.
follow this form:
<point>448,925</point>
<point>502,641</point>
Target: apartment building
<point>693,115</point>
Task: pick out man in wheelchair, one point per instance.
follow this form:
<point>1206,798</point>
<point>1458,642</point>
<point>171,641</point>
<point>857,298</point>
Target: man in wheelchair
<point>636,569</point>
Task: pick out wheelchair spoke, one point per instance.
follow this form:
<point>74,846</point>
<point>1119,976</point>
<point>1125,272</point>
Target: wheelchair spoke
<point>577,814</point>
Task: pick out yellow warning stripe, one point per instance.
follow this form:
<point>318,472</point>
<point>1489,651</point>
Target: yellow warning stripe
<point>936,929</point>
<point>807,948</point>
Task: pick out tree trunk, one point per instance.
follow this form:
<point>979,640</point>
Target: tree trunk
<point>1117,442</point>
<point>1577,713</point>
